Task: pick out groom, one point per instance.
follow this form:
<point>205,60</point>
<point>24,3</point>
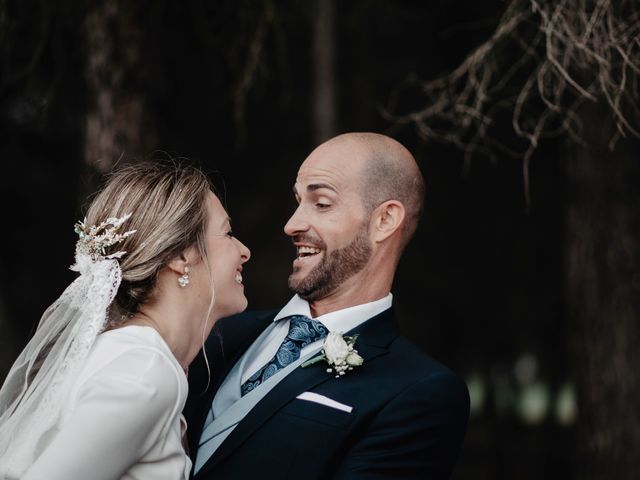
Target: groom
<point>268,413</point>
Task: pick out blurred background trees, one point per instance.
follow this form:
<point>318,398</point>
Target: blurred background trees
<point>569,69</point>
<point>522,276</point>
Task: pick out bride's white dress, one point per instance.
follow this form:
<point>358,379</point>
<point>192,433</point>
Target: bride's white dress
<point>122,419</point>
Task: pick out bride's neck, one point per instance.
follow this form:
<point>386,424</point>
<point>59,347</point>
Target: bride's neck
<point>181,331</point>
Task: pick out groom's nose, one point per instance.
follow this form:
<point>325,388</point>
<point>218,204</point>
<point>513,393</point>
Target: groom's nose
<point>297,223</point>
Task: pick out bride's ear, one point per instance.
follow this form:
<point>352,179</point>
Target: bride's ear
<point>185,259</point>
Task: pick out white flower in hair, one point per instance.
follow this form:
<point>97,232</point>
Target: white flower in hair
<point>94,240</point>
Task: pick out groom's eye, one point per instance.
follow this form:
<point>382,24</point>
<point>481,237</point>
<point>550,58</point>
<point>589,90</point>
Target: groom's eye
<point>322,206</point>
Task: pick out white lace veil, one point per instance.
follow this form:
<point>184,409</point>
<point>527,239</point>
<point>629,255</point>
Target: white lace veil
<point>34,393</point>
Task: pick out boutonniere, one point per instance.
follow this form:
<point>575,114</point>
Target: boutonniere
<point>339,353</point>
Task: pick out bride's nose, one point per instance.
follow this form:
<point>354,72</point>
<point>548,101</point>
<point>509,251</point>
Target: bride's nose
<point>245,253</point>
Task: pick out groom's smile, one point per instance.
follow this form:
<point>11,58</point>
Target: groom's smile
<point>330,226</point>
<point>304,251</point>
<point>308,253</point>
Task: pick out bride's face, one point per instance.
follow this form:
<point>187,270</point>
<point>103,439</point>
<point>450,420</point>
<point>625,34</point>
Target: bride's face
<point>225,257</point>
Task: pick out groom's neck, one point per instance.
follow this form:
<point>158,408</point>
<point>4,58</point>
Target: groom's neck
<point>357,290</point>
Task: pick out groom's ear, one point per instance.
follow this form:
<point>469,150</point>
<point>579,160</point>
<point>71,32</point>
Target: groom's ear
<point>387,219</point>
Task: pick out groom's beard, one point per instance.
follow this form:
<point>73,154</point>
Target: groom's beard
<point>334,268</point>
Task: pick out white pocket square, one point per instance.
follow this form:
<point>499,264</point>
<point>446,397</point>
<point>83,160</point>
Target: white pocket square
<point>326,401</point>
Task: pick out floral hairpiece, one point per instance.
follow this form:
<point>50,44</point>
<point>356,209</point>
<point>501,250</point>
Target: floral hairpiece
<point>94,240</point>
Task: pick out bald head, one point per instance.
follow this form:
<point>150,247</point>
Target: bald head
<point>388,171</point>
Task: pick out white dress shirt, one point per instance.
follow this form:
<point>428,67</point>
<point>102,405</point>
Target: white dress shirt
<point>338,321</point>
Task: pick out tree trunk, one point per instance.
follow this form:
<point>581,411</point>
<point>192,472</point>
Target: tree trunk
<point>603,300</point>
<point>324,95</point>
<point>116,124</point>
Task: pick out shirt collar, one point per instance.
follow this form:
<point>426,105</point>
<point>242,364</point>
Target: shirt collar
<point>296,306</point>
<point>340,320</point>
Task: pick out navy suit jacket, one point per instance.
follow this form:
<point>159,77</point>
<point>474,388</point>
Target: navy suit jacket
<point>408,419</point>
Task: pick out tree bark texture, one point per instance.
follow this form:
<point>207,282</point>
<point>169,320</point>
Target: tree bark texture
<point>116,123</point>
<point>603,299</point>
<point>324,94</point>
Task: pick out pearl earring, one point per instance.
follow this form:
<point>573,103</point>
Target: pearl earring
<point>183,281</point>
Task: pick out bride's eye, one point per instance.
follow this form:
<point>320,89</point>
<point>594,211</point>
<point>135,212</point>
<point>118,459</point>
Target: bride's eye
<point>230,234</point>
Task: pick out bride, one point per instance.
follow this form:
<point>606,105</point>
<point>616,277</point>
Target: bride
<point>97,392</point>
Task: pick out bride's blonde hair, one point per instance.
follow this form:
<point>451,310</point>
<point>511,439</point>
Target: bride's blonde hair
<point>167,202</point>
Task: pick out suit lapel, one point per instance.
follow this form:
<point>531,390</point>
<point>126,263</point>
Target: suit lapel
<point>374,337</point>
<point>221,367</point>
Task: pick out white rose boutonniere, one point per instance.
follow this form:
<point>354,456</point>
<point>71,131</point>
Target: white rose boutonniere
<point>339,353</point>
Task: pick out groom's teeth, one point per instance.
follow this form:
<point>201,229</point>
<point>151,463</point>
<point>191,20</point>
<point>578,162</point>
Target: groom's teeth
<point>308,250</point>
<point>239,277</point>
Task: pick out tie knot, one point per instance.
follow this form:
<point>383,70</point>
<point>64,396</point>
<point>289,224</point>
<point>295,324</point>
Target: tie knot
<point>304,330</point>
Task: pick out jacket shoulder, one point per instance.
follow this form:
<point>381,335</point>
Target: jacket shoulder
<point>233,332</point>
<point>411,362</point>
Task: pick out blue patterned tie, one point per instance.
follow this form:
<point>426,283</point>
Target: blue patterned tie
<point>302,332</point>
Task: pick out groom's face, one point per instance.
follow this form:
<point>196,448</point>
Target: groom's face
<point>330,227</point>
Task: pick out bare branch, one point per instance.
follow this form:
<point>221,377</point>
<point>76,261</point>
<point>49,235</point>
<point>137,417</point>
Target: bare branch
<point>545,58</point>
